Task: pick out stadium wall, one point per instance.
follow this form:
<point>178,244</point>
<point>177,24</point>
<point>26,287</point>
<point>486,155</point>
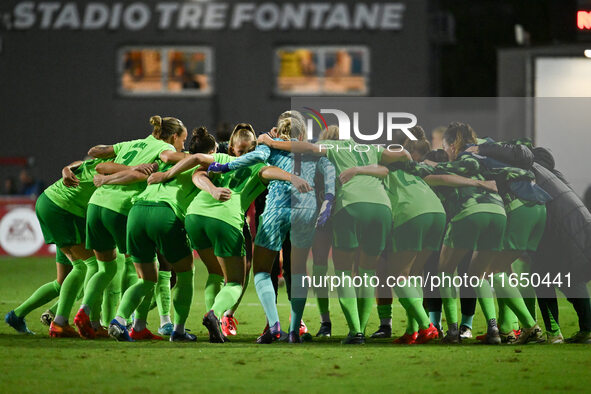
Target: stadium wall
<point>59,85</point>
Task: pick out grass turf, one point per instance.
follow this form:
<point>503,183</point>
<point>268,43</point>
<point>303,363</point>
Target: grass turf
<point>33,363</point>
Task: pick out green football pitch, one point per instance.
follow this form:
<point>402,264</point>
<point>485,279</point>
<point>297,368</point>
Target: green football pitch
<point>38,363</point>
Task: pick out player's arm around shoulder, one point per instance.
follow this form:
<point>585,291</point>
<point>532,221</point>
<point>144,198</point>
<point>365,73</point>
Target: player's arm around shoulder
<point>102,151</point>
<point>271,173</point>
<point>190,161</point>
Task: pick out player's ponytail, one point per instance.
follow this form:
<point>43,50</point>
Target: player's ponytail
<point>165,128</point>
<point>419,148</point>
<point>201,141</point>
<point>291,114</point>
<point>289,128</point>
<point>459,135</point>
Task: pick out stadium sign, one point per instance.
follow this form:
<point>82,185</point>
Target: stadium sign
<point>204,16</point>
<point>20,232</point>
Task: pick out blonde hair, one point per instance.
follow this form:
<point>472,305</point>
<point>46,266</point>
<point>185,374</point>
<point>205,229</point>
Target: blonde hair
<point>164,128</point>
<point>290,128</point>
<point>331,133</point>
<point>292,114</point>
<point>242,132</point>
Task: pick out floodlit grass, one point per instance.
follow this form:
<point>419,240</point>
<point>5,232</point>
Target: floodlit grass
<point>38,363</point>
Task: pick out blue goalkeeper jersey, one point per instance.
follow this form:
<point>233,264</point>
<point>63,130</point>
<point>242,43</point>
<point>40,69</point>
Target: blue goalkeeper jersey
<point>282,194</point>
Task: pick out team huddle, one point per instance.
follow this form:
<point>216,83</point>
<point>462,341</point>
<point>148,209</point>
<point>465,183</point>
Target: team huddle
<point>127,220</point>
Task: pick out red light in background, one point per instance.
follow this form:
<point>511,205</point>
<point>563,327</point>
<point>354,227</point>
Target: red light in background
<point>584,20</point>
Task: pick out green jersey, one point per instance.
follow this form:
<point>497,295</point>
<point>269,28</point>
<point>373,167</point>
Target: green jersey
<point>75,199</point>
<point>504,174</point>
<point>130,153</point>
<point>410,196</point>
<point>361,188</point>
<point>245,184</point>
<point>177,192</point>
<point>470,165</point>
<point>458,202</point>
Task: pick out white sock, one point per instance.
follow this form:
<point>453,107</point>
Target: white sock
<point>86,309</point>
<point>139,325</point>
<point>228,313</point>
<point>325,317</point>
<point>179,328</point>
<point>121,321</point>
<point>164,320</point>
<point>60,321</point>
<point>386,322</point>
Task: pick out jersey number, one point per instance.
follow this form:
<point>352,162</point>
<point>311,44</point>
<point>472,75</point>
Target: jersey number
<point>129,156</point>
<point>239,179</point>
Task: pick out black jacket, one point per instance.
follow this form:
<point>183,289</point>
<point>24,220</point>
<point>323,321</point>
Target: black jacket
<point>514,155</point>
<point>566,244</point>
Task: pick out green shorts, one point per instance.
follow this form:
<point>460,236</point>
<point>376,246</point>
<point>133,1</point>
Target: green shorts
<point>61,258</point>
<point>59,226</point>
<point>205,232</point>
<point>478,231</point>
<point>362,224</point>
<point>423,232</point>
<point>153,226</point>
<point>105,229</point>
<point>525,227</point>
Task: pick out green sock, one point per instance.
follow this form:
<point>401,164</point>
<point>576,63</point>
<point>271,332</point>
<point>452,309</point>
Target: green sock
<point>71,288</point>
<point>246,280</point>
<point>143,309</point>
<point>506,317</point>
<point>162,293</point>
<point>365,299</point>
<point>112,294</point>
<point>513,300</point>
<point>91,269</point>
<point>213,286</point>
<point>530,303</point>
<point>527,293</point>
<point>40,297</point>
<point>385,311</point>
<point>183,296</point>
<point>226,298</point>
<point>486,299</point>
<point>554,326</point>
<point>412,325</point>
<point>348,301</point>
<point>408,297</point>
<point>93,292</point>
<point>134,296</point>
<point>53,308</point>
<point>323,305</point>
<point>129,277</point>
<point>423,314</point>
<point>298,303</point>
<point>450,304</point>
<point>321,292</point>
